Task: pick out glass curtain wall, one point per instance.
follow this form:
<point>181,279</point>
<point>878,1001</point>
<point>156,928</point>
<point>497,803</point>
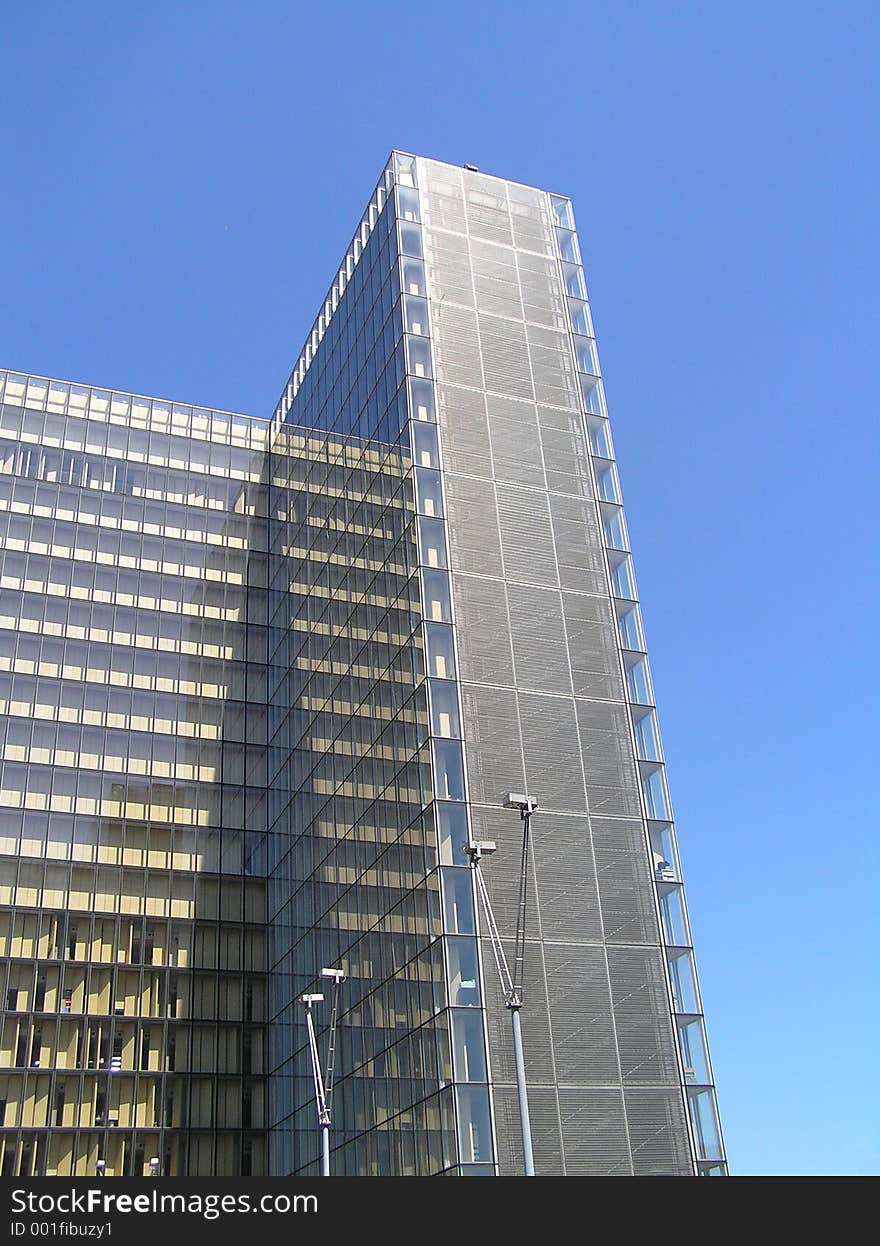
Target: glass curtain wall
<point>132,793</point>
<point>361,743</point>
<point>666,870</point>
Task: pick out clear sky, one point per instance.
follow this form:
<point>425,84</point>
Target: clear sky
<point>179,181</point>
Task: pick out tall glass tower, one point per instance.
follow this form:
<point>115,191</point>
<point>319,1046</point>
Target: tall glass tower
<point>265,680</point>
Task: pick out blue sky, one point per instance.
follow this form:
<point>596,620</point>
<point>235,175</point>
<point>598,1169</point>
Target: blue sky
<point>179,183</point>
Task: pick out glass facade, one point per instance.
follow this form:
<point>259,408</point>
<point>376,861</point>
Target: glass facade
<point>262,681</point>
<point>133,674</point>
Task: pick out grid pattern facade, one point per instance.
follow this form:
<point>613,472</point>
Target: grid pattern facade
<point>367,775</point>
<point>262,681</point>
<point>132,799</point>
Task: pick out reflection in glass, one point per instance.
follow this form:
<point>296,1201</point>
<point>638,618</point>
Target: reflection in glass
<point>622,579</point>
<point>474,1135</point>
<point>580,317</point>
<point>684,982</point>
<point>469,1058</point>
<point>647,737</point>
<point>413,277</point>
<point>444,708</point>
<point>568,245</point>
<point>692,1044</point>
<point>435,596</point>
<point>421,396</point>
<point>592,395</point>
<point>448,770</point>
<point>562,212</point>
<point>429,492</point>
<point>630,628</point>
<point>600,439</point>
<point>416,315</point>
<point>432,543</point>
<point>426,452</point>
<point>411,240</point>
<point>704,1119</point>
<point>407,203</point>
<point>672,911</point>
<point>585,349</point>
<point>458,904</point>
<point>440,649</point>
<point>464,987</point>
<point>656,798</point>
<point>574,281</point>
<point>452,831</point>
<point>418,355</point>
<point>664,852</point>
<point>612,526</point>
<point>638,683</point>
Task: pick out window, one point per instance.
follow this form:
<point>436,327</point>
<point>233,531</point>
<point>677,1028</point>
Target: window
<point>440,650</point>
<point>647,736</point>
<point>683,980</point>
<point>629,627</point>
<point>448,770</point>
<point>468,1053</point>
<point>474,1137</point>
<point>656,796</point>
<point>638,682</point>
<point>672,912</point>
<point>692,1044</point>
<point>425,449</point>
<point>458,903</point>
<point>444,708</point>
<point>432,543</point>
<point>452,832</point>
<point>464,986</point>
<point>435,596</point>
<point>429,494</point>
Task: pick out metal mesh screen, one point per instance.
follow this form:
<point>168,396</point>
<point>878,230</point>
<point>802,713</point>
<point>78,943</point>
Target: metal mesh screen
<point>543,701</point>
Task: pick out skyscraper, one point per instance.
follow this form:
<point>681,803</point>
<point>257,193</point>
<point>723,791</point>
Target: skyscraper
<point>263,682</point>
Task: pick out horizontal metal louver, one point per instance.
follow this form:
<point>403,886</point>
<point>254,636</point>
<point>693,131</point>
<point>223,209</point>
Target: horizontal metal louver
<point>449,267</point>
<point>535,1018</point>
<point>546,1143</point>
<point>566,880</point>
<point>526,536</point>
<point>516,448</point>
<point>578,545</point>
<point>641,1012</point>
<point>658,1133</point>
<point>540,648</point>
<point>609,765</point>
<point>456,349</point>
<point>553,764</point>
<point>625,892</point>
<point>566,461</point>
<point>487,213</point>
<point>492,748</point>
<point>484,648</point>
<point>505,357</point>
<point>474,542</point>
<point>464,430</point>
<point>594,1133</point>
<point>584,1046</point>
<point>538,656</point>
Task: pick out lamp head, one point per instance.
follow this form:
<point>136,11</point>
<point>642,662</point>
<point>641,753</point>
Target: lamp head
<point>481,848</point>
<point>514,800</point>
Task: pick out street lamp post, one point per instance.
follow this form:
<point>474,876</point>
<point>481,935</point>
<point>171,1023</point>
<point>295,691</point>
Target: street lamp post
<point>511,983</point>
<point>323,1080</point>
